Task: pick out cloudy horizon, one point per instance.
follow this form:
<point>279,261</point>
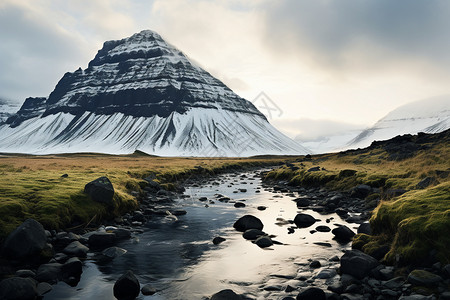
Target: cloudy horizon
<point>336,64</point>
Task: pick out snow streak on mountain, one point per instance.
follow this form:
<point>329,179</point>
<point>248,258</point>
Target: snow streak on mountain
<point>140,93</point>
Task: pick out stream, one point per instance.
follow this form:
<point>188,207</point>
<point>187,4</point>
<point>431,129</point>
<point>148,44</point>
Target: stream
<point>178,258</point>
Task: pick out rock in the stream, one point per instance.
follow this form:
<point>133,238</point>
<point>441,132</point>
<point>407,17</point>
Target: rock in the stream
<point>357,263</point>
<point>76,249</point>
<point>148,290</point>
<point>304,220</point>
<point>226,295</point>
<point>71,268</point>
<point>323,228</point>
<point>113,252</point>
<point>343,233</point>
<point>424,278</point>
<point>102,239</point>
<point>365,228</point>
<point>264,241</point>
<point>312,293</point>
<point>218,239</point>
<point>248,222</point>
<point>43,288</point>
<point>239,204</point>
<point>49,272</point>
<point>100,190</point>
<point>18,288</point>
<point>127,287</point>
<point>253,234</point>
<point>26,241</point>
<point>302,202</point>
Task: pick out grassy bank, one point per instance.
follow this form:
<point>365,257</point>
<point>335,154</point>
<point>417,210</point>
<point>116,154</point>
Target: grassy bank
<point>32,186</point>
<point>411,225</point>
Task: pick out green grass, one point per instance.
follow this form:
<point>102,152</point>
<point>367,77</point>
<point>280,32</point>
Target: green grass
<point>32,186</point>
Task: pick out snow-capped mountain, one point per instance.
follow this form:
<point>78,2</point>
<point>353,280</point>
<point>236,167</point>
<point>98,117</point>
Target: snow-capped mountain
<point>140,93</point>
<point>429,116</point>
<point>7,109</point>
<point>329,143</point>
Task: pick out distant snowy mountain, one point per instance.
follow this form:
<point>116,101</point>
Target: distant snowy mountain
<point>429,116</point>
<point>7,109</point>
<point>140,93</point>
<point>330,143</point>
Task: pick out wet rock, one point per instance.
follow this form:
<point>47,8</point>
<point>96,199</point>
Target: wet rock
<point>218,239</point>
<point>76,249</point>
<point>248,222</point>
<point>315,264</point>
<point>326,274</point>
<point>202,199</point>
<point>43,288</point>
<point>102,239</point>
<point>178,212</point>
<point>138,216</point>
<point>71,268</point>
<point>226,295</point>
<point>113,252</point>
<point>302,202</point>
<point>357,263</point>
<point>264,241</point>
<point>18,288</point>
<point>323,244</point>
<point>25,273</point>
<point>26,242</point>
<point>424,278</point>
<point>121,233</point>
<point>304,220</point>
<point>127,287</point>
<point>49,272</point>
<point>148,290</point>
<point>312,293</point>
<point>100,190</point>
<point>343,233</point>
<point>261,208</point>
<point>365,228</point>
<point>323,228</point>
<point>239,204</point>
<point>253,234</point>
<point>394,283</point>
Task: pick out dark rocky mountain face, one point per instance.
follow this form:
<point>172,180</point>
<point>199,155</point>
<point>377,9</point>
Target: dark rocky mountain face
<point>141,76</point>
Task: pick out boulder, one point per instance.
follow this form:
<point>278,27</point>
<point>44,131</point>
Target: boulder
<point>102,239</point>
<point>424,278</point>
<point>253,234</point>
<point>248,222</point>
<point>148,290</point>
<point>43,288</point>
<point>226,295</point>
<point>365,228</point>
<point>49,272</point>
<point>18,288</point>
<point>357,263</point>
<point>302,202</point>
<point>361,191</point>
<point>76,249</point>
<point>218,239</point>
<point>26,241</point>
<point>72,268</point>
<point>343,233</point>
<point>264,241</point>
<point>127,287</point>
<point>100,190</point>
<point>304,220</point>
<point>312,293</point>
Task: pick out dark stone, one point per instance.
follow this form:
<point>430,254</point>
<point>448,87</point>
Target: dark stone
<point>304,220</point>
<point>127,287</point>
<point>392,193</point>
<point>426,182</point>
<point>101,190</point>
<point>138,216</point>
<point>102,239</point>
<point>239,204</point>
<point>17,288</point>
<point>264,241</point>
<point>312,293</point>
<point>43,288</point>
<point>315,264</point>
<point>76,249</point>
<point>323,228</point>
<point>261,208</point>
<point>252,234</point>
<point>302,202</point>
<point>26,242</point>
<point>248,222</point>
<point>148,290</point>
<point>121,233</point>
<point>49,272</point>
<point>361,191</point>
<point>343,233</point>
<point>424,278</point>
<point>71,268</point>
<point>226,295</point>
<point>113,252</point>
<point>314,169</point>
<point>218,239</point>
<point>357,263</point>
<point>25,273</point>
<point>364,228</point>
<point>64,175</point>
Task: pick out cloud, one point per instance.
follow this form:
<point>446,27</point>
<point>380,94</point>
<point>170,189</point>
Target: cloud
<point>369,35</point>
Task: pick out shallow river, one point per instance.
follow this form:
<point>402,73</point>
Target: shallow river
<point>179,259</point>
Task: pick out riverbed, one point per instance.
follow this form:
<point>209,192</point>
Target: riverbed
<point>178,258</point>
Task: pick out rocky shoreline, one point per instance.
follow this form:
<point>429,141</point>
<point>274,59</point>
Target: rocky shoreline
<point>35,258</point>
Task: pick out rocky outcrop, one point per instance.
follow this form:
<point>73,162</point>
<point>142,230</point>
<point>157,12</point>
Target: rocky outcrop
<point>26,241</point>
<point>101,190</point>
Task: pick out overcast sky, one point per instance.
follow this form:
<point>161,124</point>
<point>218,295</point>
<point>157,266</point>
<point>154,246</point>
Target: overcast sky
<point>342,64</point>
